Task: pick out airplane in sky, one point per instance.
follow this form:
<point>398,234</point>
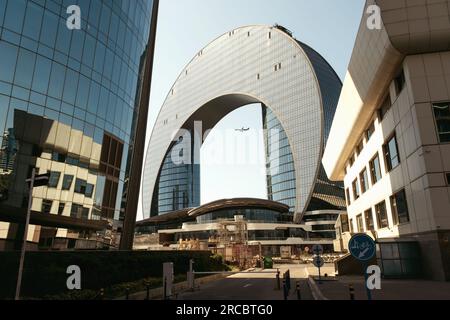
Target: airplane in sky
<point>243,129</point>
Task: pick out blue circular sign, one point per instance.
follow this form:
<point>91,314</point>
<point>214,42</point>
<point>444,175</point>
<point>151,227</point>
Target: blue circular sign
<point>362,247</point>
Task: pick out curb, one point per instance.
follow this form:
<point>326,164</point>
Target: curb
<point>316,292</point>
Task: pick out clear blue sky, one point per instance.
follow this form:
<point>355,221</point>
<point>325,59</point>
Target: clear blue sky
<point>186,26</point>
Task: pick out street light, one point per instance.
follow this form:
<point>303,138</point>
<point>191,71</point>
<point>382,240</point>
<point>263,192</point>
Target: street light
<point>34,181</point>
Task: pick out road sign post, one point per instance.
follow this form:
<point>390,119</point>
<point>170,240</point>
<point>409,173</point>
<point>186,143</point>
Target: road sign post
<point>363,248</point>
<point>34,181</point>
<point>318,261</point>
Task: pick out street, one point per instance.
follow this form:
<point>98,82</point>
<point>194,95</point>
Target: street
<point>254,286</point>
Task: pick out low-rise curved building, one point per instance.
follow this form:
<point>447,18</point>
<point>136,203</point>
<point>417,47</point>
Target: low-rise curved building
<point>259,224</point>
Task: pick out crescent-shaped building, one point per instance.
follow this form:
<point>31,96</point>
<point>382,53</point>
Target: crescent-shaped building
<point>299,92</point>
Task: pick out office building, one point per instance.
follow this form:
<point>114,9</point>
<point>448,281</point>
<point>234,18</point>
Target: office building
<point>389,141</point>
<point>74,104</point>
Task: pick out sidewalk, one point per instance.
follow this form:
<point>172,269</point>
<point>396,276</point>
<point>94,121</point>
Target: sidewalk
<point>390,289</point>
<point>178,288</point>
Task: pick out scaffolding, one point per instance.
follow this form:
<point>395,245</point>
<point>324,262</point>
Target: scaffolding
<point>232,232</point>
<point>232,235</point>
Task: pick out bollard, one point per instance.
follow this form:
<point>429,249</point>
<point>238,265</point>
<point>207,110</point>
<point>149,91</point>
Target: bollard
<point>127,290</point>
<point>352,292</point>
<point>285,290</point>
<point>299,293</point>
<point>165,289</point>
<point>147,286</point>
<point>288,280</point>
<point>278,280</point>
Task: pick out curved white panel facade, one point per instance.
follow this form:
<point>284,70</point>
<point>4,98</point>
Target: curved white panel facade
<point>250,64</point>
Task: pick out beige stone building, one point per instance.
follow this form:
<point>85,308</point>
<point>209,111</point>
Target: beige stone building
<point>390,140</point>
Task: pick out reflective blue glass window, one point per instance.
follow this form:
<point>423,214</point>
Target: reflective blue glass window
<point>76,47</point>
<point>56,80</point>
<point>89,50</point>
<point>82,92</point>
<point>2,11</point>
<point>25,67</point>
<point>64,37</point>
<point>94,95</point>
<point>99,57</point>
<point>8,54</point>
<point>70,86</point>
<point>41,74</point>
<point>4,103</point>
<point>15,13</point>
<point>49,29</point>
<point>33,19</point>
<point>104,19</point>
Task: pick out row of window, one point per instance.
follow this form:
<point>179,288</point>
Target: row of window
<point>399,209</point>
<point>384,108</point>
<point>81,186</point>
<point>392,160</point>
<point>441,113</point>
<point>77,211</point>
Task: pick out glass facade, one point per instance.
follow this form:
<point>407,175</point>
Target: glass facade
<point>249,214</point>
<point>280,161</point>
<point>281,182</point>
<point>69,103</point>
<point>178,186</point>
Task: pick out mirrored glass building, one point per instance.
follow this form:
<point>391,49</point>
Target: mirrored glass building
<point>74,104</point>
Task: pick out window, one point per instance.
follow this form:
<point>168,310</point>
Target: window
<point>61,207</point>
<point>352,160</point>
<point>448,178</point>
<point>351,225</point>
<point>360,223</point>
<point>344,223</point>
<point>80,186</point>
<point>400,81</point>
<point>79,212</point>
<point>391,153</point>
<point>368,216</point>
<point>359,147</point>
<point>385,107</point>
<point>54,179</point>
<point>399,207</point>
<point>15,14</point>
<point>442,118</point>
<point>356,190</point>
<point>67,182</point>
<point>375,169</point>
<point>46,206</point>
<point>364,180</point>
<point>347,193</point>
<point>89,190</point>
<point>370,131</point>
<point>382,218</point>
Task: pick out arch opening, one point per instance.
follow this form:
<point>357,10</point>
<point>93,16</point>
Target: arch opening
<point>178,185</point>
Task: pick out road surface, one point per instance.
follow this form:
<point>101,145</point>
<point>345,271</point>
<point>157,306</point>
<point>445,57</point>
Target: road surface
<point>254,286</point>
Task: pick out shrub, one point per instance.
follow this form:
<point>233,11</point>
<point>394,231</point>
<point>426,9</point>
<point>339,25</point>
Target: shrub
<point>45,272</point>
